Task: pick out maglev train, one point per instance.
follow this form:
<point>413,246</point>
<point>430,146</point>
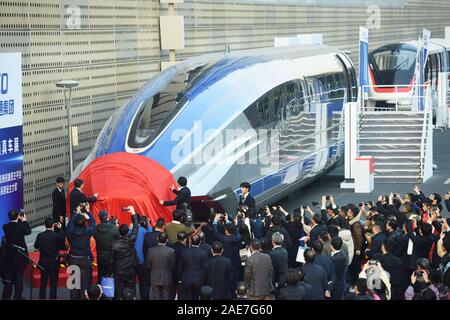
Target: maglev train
<point>272,117</point>
<point>394,65</point>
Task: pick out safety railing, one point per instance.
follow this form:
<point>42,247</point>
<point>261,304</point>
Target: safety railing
<point>399,95</point>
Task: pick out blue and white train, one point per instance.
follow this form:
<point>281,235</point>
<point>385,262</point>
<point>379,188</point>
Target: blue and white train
<point>284,106</point>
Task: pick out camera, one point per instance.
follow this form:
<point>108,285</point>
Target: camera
<point>315,203</point>
<point>373,262</point>
<point>304,207</point>
<point>125,209</point>
<point>328,197</point>
<point>418,274</point>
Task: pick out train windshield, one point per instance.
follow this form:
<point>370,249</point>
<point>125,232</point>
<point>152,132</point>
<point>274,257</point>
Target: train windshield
<point>393,65</point>
<point>155,112</point>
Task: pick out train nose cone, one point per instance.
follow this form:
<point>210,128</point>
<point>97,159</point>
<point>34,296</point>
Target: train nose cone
<point>122,179</point>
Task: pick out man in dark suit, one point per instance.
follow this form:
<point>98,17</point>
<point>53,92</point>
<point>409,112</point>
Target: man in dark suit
<point>245,198</point>
<point>49,243</point>
<point>219,273</point>
<point>308,288</point>
<point>376,241</point>
<point>179,246</point>
<point>279,257</point>
<point>394,266</point>
<point>277,226</point>
<point>203,245</point>
<point>151,238</point>
<point>77,196</point>
<point>59,202</point>
<point>16,254</point>
<point>340,266</point>
<point>259,273</point>
<point>317,227</point>
<point>183,196</point>
<point>292,291</point>
<point>232,242</point>
<point>192,270</point>
<point>326,263</point>
<point>161,264</point>
<point>316,276</point>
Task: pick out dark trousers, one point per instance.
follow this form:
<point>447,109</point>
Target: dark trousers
<point>103,268</point>
<point>190,291</point>
<point>144,281</point>
<point>124,282</point>
<point>13,277</point>
<point>85,268</point>
<point>355,268</point>
<point>162,292</point>
<point>51,274</point>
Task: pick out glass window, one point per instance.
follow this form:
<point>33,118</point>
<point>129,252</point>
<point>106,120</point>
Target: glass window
<point>155,112</point>
<point>277,102</point>
<point>262,106</point>
<point>393,64</point>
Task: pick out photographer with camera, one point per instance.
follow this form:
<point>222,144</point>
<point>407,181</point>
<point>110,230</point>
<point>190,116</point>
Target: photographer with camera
<point>49,243</point>
<point>123,259</point>
<point>183,196</point>
<point>80,254</point>
<point>177,225</point>
<point>419,279</point>
<point>105,235</point>
<point>16,254</point>
<point>142,271</point>
<point>232,241</point>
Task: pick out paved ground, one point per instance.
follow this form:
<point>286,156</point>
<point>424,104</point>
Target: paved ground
<point>330,183</point>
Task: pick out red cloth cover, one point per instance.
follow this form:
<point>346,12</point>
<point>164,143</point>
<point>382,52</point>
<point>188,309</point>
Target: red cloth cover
<point>122,179</point>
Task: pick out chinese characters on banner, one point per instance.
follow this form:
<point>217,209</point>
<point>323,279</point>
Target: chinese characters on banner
<point>11,141</point>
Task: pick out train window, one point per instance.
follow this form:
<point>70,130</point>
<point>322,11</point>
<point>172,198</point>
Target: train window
<point>394,64</point>
<point>428,69</point>
<point>290,93</point>
<point>262,107</point>
<point>156,111</point>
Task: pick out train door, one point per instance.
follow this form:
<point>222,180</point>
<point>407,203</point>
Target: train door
<point>350,78</point>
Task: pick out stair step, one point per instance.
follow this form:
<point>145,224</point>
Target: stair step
<point>396,179</point>
<point>401,153</point>
<point>396,159</point>
<point>388,148</point>
<point>396,166</point>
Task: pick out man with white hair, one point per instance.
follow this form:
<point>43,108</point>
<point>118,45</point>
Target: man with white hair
<point>279,257</point>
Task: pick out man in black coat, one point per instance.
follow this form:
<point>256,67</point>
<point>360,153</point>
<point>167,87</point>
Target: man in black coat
<point>59,210</point>
<point>308,288</point>
<point>245,199</point>
<point>394,266</point>
<point>232,242</point>
<point>105,235</point>
<point>317,227</point>
<point>161,263</point>
<point>49,243</point>
<point>316,276</point>
<point>183,196</point>
<point>219,273</point>
<point>80,254</point>
<point>151,238</point>
<point>377,240</point>
<point>192,270</point>
<point>16,254</point>
<point>277,222</point>
<point>292,290</point>
<point>279,257</point>
<point>340,266</point>
<point>326,263</point>
<point>124,258</point>
<point>77,196</point>
<point>179,246</point>
<point>203,245</point>
<point>422,239</point>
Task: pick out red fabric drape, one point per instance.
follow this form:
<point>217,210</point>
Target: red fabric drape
<point>122,179</point>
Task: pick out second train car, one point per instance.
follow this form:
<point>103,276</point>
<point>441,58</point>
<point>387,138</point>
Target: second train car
<point>272,117</point>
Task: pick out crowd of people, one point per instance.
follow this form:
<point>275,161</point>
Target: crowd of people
<point>395,248</point>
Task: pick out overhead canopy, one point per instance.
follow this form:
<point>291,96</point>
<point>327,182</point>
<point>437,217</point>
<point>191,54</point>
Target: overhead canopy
<point>122,179</point>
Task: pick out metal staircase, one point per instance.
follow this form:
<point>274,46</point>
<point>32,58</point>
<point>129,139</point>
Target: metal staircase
<point>395,140</point>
